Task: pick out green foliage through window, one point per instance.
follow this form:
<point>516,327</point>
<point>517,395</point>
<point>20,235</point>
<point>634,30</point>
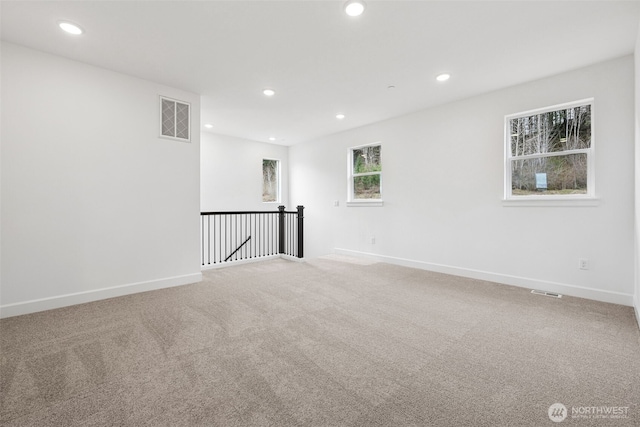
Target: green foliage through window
<point>366,159</point>
<point>549,151</point>
<point>366,173</point>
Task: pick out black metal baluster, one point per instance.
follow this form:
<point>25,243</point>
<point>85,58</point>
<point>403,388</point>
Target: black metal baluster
<point>219,237</point>
<point>288,235</point>
<point>269,243</point>
<point>242,236</point>
<point>261,236</point>
<point>300,232</point>
<point>226,226</point>
<point>215,242</point>
<point>265,233</point>
<point>202,237</point>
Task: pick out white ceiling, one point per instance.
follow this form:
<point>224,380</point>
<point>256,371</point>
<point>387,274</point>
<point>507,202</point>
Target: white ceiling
<point>320,61</point>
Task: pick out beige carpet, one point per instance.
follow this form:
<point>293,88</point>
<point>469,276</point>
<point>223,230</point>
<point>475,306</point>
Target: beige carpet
<point>323,343</point>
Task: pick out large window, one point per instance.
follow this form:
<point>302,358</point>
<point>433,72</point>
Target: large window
<point>365,173</point>
<point>270,181</point>
<point>549,153</point>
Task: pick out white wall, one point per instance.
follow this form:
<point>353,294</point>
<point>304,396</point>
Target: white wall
<point>231,173</point>
<point>637,180</point>
<point>443,185</point>
<point>94,203</point>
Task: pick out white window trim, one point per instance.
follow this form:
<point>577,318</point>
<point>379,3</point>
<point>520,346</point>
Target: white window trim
<point>364,203</point>
<point>174,138</point>
<point>278,177</point>
<point>351,201</point>
<point>577,200</point>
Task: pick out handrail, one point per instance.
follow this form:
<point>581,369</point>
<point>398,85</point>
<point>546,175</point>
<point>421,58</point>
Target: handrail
<point>237,249</point>
<point>244,212</point>
<point>262,233</point>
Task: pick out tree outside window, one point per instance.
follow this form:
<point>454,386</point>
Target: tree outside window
<point>366,173</point>
<point>270,180</point>
<point>549,152</point>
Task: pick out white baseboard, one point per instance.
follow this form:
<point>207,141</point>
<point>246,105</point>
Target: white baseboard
<point>249,261</point>
<point>292,258</point>
<point>636,306</point>
<point>523,282</point>
<point>59,301</point>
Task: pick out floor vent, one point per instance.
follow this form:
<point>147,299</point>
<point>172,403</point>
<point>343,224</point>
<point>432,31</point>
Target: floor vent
<point>546,294</point>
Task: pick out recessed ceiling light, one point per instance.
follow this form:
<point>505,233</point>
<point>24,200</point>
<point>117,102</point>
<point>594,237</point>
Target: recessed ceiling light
<point>443,77</point>
<point>354,7</point>
<point>269,92</point>
<point>208,126</point>
<point>272,138</point>
<point>340,116</point>
<point>70,28</point>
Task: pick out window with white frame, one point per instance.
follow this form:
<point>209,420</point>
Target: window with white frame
<point>174,119</point>
<point>270,181</point>
<point>365,173</point>
<point>549,153</point>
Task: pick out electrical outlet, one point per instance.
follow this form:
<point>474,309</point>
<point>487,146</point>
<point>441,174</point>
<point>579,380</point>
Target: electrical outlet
<point>336,203</point>
<point>373,240</point>
<point>583,264</point>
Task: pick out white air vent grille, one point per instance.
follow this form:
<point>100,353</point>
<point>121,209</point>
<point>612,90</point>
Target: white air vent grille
<point>175,118</point>
<point>546,294</point>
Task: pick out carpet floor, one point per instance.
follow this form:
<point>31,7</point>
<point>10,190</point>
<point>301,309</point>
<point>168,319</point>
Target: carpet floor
<point>327,342</point>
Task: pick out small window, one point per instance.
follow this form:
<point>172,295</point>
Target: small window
<point>175,118</point>
<point>365,174</point>
<point>549,153</point>
<point>270,181</point>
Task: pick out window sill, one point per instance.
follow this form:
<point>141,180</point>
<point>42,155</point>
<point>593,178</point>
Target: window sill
<point>549,202</point>
<point>365,203</point>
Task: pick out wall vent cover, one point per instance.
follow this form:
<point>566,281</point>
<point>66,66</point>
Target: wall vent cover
<point>175,118</point>
<point>546,294</point>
